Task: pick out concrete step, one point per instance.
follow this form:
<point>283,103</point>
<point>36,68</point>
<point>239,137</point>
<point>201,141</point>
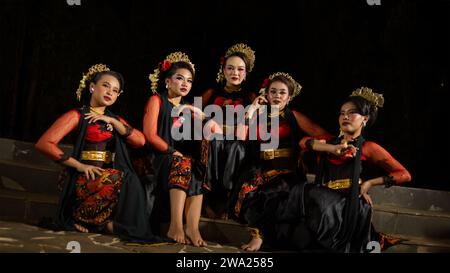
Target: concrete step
<point>26,207</point>
<point>412,198</point>
<point>22,168</point>
<point>20,151</point>
<point>28,177</point>
<point>413,222</point>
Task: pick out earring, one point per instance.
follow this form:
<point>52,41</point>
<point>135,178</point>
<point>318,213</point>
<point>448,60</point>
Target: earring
<point>167,86</point>
<point>364,124</point>
<point>341,133</point>
<point>92,90</point>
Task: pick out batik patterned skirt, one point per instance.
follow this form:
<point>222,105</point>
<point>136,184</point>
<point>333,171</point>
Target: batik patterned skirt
<point>188,175</point>
<point>96,199</point>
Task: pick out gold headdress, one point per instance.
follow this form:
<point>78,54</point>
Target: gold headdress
<point>92,71</point>
<point>166,65</point>
<point>367,93</point>
<point>297,86</point>
<point>243,48</point>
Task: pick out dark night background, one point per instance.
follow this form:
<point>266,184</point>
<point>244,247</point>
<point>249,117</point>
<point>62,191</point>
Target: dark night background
<point>400,48</point>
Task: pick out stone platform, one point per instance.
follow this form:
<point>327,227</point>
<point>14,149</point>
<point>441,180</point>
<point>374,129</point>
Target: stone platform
<point>28,193</point>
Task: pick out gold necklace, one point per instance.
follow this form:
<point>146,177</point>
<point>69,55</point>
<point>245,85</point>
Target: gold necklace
<point>95,111</point>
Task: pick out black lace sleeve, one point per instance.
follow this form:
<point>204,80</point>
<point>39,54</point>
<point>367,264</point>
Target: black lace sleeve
<point>128,131</point>
<point>388,181</point>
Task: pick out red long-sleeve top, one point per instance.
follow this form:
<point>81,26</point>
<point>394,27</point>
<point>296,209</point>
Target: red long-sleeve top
<point>376,155</point>
<point>150,124</point>
<point>64,125</point>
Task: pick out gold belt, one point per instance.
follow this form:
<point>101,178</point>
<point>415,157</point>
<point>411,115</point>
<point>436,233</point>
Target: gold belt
<point>105,156</point>
<point>340,184</point>
<point>228,129</point>
<point>274,153</point>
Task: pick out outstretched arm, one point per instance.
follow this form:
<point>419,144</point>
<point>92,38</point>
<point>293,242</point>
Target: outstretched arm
<point>319,144</point>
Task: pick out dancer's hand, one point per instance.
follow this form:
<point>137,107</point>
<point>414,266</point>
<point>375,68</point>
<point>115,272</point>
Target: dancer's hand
<point>111,123</point>
<point>89,170</point>
<point>364,192</point>
<point>346,150</point>
<point>93,117</point>
<point>260,100</point>
<point>256,104</point>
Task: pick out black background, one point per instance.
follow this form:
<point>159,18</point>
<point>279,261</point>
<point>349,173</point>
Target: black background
<point>400,48</point>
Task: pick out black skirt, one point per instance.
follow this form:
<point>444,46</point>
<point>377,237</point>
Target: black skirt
<point>225,162</point>
<point>299,216</point>
<point>324,215</point>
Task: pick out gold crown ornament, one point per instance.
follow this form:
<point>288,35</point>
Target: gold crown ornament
<point>242,48</point>
<point>297,86</point>
<point>367,93</point>
<point>97,68</point>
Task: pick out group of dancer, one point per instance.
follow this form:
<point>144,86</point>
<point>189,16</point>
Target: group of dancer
<point>235,171</point>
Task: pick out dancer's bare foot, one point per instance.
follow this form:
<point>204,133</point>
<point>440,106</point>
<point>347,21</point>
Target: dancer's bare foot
<point>195,238</point>
<point>254,244</point>
<point>177,235</point>
<point>80,228</point>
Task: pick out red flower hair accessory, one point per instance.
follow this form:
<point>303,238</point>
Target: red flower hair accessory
<point>165,65</point>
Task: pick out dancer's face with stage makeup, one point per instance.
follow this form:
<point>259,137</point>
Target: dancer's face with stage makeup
<point>350,120</point>
<point>105,91</point>
<point>234,71</point>
<point>278,94</point>
<point>180,83</point>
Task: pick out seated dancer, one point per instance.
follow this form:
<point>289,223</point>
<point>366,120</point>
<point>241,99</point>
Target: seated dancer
<point>101,192</point>
<point>179,167</point>
<point>275,171</point>
<point>226,157</point>
<point>337,207</point>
